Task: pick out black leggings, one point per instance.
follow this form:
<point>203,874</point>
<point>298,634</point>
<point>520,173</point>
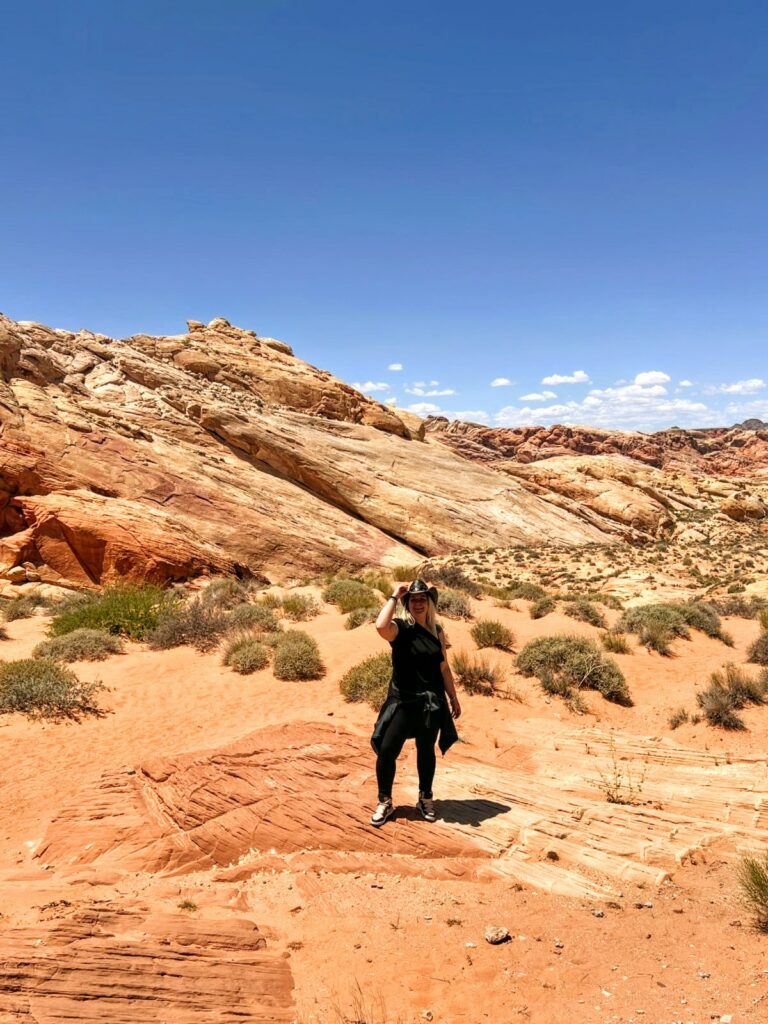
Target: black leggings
<point>400,728</point>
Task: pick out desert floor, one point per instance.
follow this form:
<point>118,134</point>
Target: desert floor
<point>139,849</point>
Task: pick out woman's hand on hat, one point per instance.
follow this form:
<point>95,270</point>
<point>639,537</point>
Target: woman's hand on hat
<point>400,590</point>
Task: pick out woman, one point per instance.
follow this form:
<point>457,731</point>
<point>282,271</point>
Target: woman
<point>419,694</point>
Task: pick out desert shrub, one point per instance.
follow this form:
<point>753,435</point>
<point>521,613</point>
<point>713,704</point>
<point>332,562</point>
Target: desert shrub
<point>452,577</point>
<point>585,611</point>
<point>475,674</point>
<point>224,593</point>
<point>656,636</point>
<point>519,590</point>
<point>379,581</point>
<point>704,617</point>
<point>742,607</point>
<point>350,594</point>
<point>360,616</point>
<point>297,656</point>
<point>454,605</point>
<point>405,573</point>
<point>488,633</point>
<point>270,600</point>
<point>678,718</point>
<point>542,607</point>
<point>40,688</point>
<point>129,609</point>
<point>752,876</point>
<point>190,624</point>
<point>368,681</point>
<point>615,643</point>
<point>758,651</point>
<point>573,663</point>
<point>79,645</point>
<point>300,607</point>
<point>254,616</point>
<point>23,606</point>
<point>658,624</point>
<point>4,635</point>
<point>246,654</point>
<point>730,689</point>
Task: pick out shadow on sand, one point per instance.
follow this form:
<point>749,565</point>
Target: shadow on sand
<point>456,812</point>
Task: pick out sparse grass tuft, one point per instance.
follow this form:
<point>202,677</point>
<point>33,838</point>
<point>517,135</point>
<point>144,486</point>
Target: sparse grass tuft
<point>616,643</point>
<point>475,674</point>
<point>678,718</point>
<point>254,616</point>
<point>190,624</point>
<point>379,581</point>
<point>41,688</point>
<point>452,577</point>
<point>752,876</point>
<point>297,656</point>
<point>565,664</point>
<point>246,654</point>
<point>350,594</point>
<point>23,607</point>
<point>270,600</point>
<point>79,645</point>
<point>453,605</point>
<point>542,607</point>
<point>300,607</point>
<point>585,611</point>
<point>488,633</point>
<point>224,593</point>
<point>405,573</point>
<point>368,681</point>
<point>188,905</point>
<point>758,651</point>
<point>360,616</point>
<point>129,609</point>
<point>730,689</point>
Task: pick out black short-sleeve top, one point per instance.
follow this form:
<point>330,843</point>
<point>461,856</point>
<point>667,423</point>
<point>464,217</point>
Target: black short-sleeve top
<point>417,656</point>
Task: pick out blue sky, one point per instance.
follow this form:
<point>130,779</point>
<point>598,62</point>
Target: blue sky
<point>477,192</point>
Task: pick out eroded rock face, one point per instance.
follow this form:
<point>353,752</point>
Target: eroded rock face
<point>218,451</point>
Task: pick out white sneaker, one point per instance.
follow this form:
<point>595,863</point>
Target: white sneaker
<point>383,811</point>
<point>427,807</point>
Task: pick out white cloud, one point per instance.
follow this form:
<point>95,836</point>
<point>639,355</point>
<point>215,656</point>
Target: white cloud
<point>395,366</point>
<point>577,377</point>
<point>390,401</point>
<point>501,382</point>
<point>371,386</point>
<point>742,387</point>
<point>538,396</point>
<point>421,390</point>
<point>685,383</point>
<point>652,377</point>
<point>425,409</point>
<point>429,409</point>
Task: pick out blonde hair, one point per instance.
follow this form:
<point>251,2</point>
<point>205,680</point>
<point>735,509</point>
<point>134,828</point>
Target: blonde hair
<point>432,623</point>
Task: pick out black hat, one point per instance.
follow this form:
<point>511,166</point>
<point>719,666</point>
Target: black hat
<point>420,587</point>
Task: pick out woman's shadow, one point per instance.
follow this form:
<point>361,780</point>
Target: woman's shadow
<point>457,812</point>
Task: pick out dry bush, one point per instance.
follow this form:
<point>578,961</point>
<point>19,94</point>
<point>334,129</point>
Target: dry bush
<point>567,663</point>
<point>368,681</point>
<point>40,688</point>
<point>453,578</point>
<point>246,654</point>
<point>475,674</point>
<point>23,607</point>
<point>360,616</point>
<point>730,689</point>
<point>752,876</point>
<point>658,624</point>
<point>350,594</point>
<point>224,593</point>
<point>380,581</point>
<point>190,624</point>
<point>585,611</point>
<point>743,607</point>
<point>297,656</point>
<point>488,633</point>
<point>453,605</point>
<point>254,616</point>
<point>542,607</point>
<point>270,600</point>
<point>678,718</point>
<point>615,643</point>
<point>79,645</point>
<point>300,607</point>
<point>405,573</point>
<point>129,609</point>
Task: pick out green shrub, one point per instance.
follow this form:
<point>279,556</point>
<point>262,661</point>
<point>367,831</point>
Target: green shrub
<point>525,591</point>
<point>350,594</point>
<point>475,674</point>
<point>453,605</point>
<point>752,876</point>
<point>270,600</point>
<point>129,609</point>
<point>246,654</point>
<point>378,581</point>
<point>453,578</point>
<point>224,593</point>
<point>300,607</point>
<point>360,616</point>
<point>542,607</point>
<point>41,688</point>
<point>661,622</point>
<point>368,681</point>
<point>573,663</point>
<point>23,607</point>
<point>254,616</point>
<point>730,689</point>
<point>678,718</point>
<point>704,617</point>
<point>191,624</point>
<point>758,651</point>
<point>488,633</point>
<point>405,573</point>
<point>297,656</point>
<point>743,607</point>
<point>79,645</point>
<point>656,636</point>
<point>583,610</point>
<point>615,643</point>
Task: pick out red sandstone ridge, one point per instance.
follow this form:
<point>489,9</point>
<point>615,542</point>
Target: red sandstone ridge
<point>219,451</point>
<point>738,451</point>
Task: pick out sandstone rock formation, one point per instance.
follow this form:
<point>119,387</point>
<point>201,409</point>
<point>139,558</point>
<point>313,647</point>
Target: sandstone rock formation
<point>163,457</point>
